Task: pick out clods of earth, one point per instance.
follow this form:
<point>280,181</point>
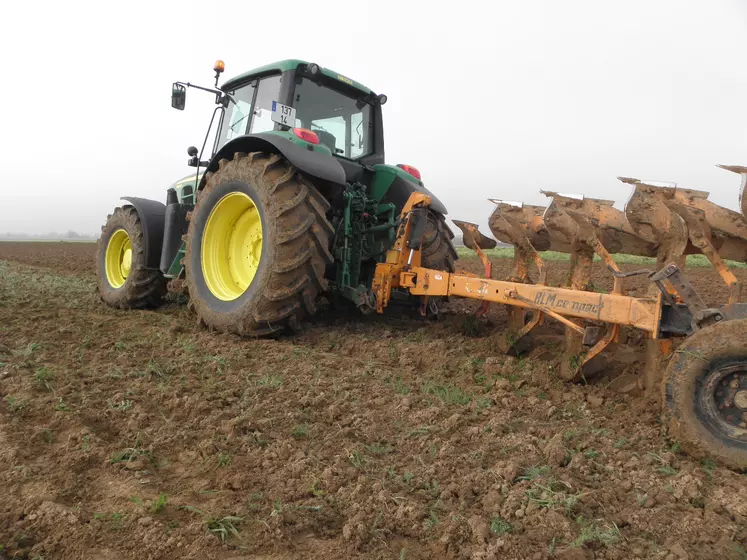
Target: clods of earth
<point>139,434</point>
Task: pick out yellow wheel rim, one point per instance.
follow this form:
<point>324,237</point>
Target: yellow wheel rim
<point>118,258</point>
<point>231,246</point>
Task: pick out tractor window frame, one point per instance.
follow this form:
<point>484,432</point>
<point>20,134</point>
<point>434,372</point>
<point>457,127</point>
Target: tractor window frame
<point>255,83</point>
<point>274,95</point>
<point>352,94</point>
<point>225,126</point>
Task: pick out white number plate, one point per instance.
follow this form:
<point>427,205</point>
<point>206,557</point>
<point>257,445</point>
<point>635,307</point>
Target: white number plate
<point>282,114</point>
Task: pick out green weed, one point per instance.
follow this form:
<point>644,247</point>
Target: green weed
<point>14,405</point>
<point>500,526</point>
<point>44,377</point>
<point>124,404</point>
<point>225,527</point>
<point>708,466</point>
<point>379,448</point>
<point>315,490</point>
<point>570,434</point>
<point>470,326</point>
<point>418,432</point>
<point>61,406</point>
<point>596,531</point>
<point>116,520</point>
<point>300,431</point>
<point>129,454</point>
<point>137,501</point>
<point>667,470</point>
<point>356,459</point>
<point>484,403</point>
<point>448,394</point>
<point>553,493</point>
<point>159,503</point>
<point>400,386</point>
<point>270,381</point>
<point>534,472</point>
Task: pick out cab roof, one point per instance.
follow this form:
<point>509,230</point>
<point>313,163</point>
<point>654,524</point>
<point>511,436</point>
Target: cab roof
<point>283,66</point>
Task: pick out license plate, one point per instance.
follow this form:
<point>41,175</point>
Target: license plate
<point>283,114</point>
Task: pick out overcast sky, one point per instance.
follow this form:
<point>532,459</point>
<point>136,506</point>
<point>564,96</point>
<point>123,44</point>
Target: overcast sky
<point>488,99</point>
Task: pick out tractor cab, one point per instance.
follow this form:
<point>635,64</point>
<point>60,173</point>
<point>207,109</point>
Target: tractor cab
<point>317,105</point>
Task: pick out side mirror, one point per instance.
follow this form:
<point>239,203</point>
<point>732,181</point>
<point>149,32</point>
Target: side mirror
<point>178,96</point>
<point>193,160</point>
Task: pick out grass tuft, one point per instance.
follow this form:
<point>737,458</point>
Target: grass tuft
<point>596,531</point>
<point>14,405</point>
<point>159,503</point>
<point>44,377</point>
<point>270,381</point>
<point>300,431</point>
<point>500,526</point>
<point>448,394</point>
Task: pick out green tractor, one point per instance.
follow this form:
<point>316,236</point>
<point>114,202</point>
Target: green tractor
<point>292,200</point>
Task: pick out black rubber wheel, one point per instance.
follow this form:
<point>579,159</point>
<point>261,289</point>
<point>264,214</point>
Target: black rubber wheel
<point>705,391</point>
<point>438,248</point>
<point>287,260</point>
<point>123,280</point>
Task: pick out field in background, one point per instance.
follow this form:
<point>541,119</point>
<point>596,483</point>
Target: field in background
<point>140,434</point>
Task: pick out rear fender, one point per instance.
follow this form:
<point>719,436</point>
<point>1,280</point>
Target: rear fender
<point>395,185</point>
<point>151,214</point>
<point>313,160</point>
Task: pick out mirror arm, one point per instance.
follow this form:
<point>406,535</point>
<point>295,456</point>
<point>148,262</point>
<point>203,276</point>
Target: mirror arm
<point>195,162</point>
<point>221,98</point>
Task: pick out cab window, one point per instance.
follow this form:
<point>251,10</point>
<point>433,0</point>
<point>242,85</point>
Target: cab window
<point>267,92</point>
<point>342,123</point>
<point>238,115</point>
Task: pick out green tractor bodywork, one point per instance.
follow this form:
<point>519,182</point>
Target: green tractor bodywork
<point>346,164</point>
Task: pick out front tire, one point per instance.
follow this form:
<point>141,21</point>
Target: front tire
<point>705,393</point>
<point>123,278</point>
<point>257,247</point>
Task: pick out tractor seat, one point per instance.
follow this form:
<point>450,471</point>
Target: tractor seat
<point>328,139</point>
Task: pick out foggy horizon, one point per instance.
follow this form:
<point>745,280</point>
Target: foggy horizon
<point>488,100</point>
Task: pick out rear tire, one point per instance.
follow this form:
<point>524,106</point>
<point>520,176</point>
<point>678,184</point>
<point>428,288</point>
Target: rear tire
<point>438,250</point>
<point>123,279</point>
<point>287,259</point>
<point>705,391</point>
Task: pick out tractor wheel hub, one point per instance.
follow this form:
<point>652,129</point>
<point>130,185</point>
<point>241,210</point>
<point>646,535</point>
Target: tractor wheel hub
<point>231,246</point>
<point>730,395</point>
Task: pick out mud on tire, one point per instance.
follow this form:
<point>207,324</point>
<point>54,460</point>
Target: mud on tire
<point>438,249</point>
<point>295,247</point>
<point>142,287</point>
<point>705,393</point>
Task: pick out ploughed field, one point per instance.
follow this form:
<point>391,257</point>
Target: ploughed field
<point>139,434</point>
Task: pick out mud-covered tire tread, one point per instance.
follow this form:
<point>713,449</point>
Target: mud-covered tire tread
<point>722,340</point>
<point>143,288</point>
<point>301,236</point>
<point>438,250</point>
